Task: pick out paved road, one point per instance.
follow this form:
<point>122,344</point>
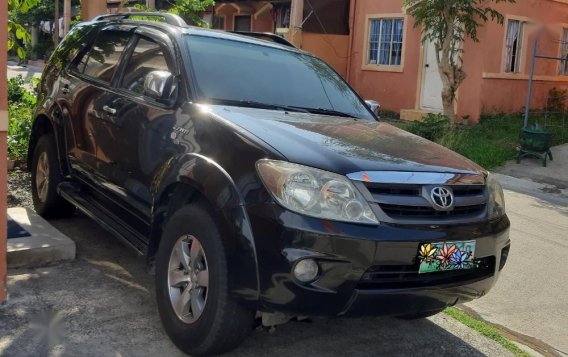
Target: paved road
<point>26,72</point>
<point>531,296</point>
<point>104,302</point>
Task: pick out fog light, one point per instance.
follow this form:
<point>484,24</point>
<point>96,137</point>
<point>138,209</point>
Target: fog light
<point>306,270</point>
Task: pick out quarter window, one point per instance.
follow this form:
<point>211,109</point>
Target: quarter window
<point>101,61</point>
<point>385,41</point>
<point>564,53</point>
<point>513,46</point>
<point>148,56</point>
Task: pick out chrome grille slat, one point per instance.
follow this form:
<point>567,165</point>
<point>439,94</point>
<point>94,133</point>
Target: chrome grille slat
<point>409,201</point>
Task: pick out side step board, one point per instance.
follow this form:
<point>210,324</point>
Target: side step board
<point>76,196</point>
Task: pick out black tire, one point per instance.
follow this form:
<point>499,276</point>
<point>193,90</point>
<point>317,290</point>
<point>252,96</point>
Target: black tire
<point>223,323</point>
<point>50,204</point>
<point>420,315</point>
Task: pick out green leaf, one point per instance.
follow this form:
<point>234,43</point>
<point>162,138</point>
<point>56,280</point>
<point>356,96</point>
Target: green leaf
<point>21,53</point>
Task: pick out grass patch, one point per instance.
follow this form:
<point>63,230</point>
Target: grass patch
<point>486,330</point>
<point>493,141</point>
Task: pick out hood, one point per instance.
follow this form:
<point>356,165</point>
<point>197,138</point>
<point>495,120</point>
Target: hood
<point>345,145</point>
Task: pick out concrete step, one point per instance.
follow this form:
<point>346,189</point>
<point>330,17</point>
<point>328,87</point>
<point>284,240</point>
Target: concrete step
<point>36,242</point>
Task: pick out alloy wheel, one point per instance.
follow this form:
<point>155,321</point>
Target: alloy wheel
<point>42,176</point>
<point>188,279</point>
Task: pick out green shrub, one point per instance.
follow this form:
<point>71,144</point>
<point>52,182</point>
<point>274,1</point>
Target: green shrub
<point>557,100</point>
<point>19,130</point>
<point>432,127</point>
<point>17,92</point>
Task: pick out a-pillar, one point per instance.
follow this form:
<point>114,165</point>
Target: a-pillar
<point>3,152</point>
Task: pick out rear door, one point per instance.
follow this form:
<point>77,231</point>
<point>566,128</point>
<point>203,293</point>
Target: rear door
<point>89,84</point>
<point>140,130</point>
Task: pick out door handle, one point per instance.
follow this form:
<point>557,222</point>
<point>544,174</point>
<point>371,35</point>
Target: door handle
<point>109,110</point>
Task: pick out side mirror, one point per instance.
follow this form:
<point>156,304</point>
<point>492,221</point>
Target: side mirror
<point>158,85</point>
<point>373,105</point>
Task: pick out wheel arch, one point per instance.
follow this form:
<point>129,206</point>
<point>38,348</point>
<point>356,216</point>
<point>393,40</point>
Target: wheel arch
<point>195,179</point>
<point>44,124</point>
<point>41,126</point>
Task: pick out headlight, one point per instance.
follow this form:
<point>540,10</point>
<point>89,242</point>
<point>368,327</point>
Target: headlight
<point>314,192</point>
<point>496,198</point>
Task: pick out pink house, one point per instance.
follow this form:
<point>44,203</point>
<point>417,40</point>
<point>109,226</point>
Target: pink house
<point>390,63</point>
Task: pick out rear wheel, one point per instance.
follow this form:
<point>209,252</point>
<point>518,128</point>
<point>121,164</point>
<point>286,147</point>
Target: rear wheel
<point>192,286</point>
<point>45,178</point>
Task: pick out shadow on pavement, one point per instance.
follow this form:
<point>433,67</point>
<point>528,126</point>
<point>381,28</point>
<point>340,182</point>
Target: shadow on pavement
<point>103,304</point>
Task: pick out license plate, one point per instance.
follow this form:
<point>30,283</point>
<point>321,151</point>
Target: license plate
<point>443,256</point>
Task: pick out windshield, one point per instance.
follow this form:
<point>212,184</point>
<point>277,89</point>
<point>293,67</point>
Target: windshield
<point>238,73</point>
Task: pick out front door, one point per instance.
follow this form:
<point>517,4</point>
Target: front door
<point>139,132</point>
<point>431,98</point>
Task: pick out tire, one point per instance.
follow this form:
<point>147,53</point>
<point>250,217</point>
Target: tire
<point>222,323</point>
<point>420,315</point>
<point>45,178</point>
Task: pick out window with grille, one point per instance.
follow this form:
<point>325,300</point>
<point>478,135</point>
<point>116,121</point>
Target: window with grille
<point>385,41</point>
<point>513,46</point>
<point>564,53</point>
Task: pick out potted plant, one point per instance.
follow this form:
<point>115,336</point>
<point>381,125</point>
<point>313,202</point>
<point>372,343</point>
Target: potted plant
<point>535,141</point>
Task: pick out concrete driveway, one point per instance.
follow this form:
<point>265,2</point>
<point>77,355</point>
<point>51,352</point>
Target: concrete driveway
<point>27,72</point>
<point>103,304</point>
<point>531,297</point>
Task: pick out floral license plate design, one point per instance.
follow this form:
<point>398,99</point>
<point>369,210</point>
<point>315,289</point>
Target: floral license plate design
<point>444,256</point>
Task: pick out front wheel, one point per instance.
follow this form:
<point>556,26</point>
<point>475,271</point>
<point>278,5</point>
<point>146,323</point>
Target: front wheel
<point>192,286</point>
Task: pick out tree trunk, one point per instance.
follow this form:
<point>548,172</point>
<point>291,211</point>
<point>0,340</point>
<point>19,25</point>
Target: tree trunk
<point>450,69</point>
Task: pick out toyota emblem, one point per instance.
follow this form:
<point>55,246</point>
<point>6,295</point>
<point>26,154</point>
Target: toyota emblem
<point>442,198</point>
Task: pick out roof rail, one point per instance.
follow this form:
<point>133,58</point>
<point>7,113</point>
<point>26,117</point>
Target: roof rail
<point>171,19</point>
<point>265,36</point>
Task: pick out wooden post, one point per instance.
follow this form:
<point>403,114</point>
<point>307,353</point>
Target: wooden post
<point>151,4</point>
<point>66,16</point>
<point>296,19</point>
<point>3,151</point>
<point>56,24</point>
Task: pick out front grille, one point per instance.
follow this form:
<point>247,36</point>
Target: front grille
<point>398,211</point>
<point>407,276</point>
<point>409,203</point>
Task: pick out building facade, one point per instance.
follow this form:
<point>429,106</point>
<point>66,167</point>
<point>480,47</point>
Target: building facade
<point>391,64</point>
<point>375,46</point>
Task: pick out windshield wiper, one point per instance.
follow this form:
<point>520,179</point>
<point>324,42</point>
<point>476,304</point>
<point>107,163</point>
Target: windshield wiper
<point>329,112</point>
<point>259,105</point>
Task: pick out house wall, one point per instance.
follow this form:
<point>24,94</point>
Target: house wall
<point>333,49</point>
<point>92,9</point>
<point>262,22</point>
<point>487,88</point>
<point>394,89</point>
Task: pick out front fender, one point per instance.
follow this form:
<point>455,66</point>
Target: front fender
<point>217,187</point>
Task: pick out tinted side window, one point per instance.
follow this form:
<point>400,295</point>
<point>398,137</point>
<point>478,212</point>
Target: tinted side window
<point>148,56</point>
<point>101,61</point>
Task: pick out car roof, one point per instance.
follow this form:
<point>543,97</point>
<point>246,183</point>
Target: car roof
<point>196,31</point>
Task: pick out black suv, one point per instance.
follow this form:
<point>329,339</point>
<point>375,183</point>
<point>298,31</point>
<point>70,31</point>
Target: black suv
<point>257,183</point>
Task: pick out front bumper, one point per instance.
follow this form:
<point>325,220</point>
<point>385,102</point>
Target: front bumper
<point>348,254</point>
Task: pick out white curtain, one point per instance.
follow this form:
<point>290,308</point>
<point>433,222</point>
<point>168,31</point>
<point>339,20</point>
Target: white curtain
<point>513,45</point>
